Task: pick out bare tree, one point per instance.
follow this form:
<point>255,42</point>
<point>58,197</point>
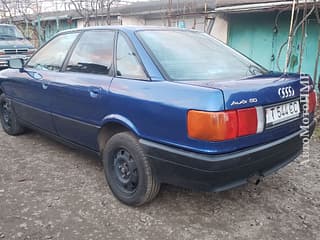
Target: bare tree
<point>82,10</point>
<point>169,13</point>
<point>93,9</point>
<point>108,4</point>
<point>7,9</point>
<point>318,55</point>
<point>28,9</point>
<point>22,13</point>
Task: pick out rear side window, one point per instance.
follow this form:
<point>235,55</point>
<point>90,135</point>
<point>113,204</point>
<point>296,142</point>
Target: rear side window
<point>51,56</point>
<point>93,53</point>
<point>128,65</point>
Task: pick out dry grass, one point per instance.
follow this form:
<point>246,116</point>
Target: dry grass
<point>317,132</point>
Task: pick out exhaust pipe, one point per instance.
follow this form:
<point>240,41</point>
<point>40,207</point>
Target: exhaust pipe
<point>255,179</point>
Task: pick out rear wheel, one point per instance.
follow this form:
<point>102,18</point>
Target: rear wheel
<point>128,170</point>
<point>8,117</point>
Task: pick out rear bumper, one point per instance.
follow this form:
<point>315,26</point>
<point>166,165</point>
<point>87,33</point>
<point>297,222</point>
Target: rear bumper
<point>220,172</point>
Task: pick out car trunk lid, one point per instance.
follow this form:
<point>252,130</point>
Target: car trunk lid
<point>255,91</point>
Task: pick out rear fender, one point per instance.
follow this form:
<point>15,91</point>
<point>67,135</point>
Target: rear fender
<point>113,124</point>
<point>116,118</point>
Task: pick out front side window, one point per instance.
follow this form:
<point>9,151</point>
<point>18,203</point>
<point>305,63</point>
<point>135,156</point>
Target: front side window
<point>128,65</point>
<point>93,53</point>
<point>51,56</point>
<point>190,55</point>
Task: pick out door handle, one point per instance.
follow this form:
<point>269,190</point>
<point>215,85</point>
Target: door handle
<point>44,86</point>
<point>95,92</point>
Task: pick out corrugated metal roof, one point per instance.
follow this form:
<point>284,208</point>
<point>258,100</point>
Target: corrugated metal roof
<point>271,5</point>
<point>224,3</point>
<point>157,5</point>
<point>160,7</point>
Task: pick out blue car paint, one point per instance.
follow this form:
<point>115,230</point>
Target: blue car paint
<point>154,110</point>
<point>78,105</point>
<point>28,92</point>
<point>263,89</point>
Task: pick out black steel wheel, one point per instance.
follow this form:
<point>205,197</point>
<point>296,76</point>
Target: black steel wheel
<point>125,171</point>
<point>128,171</point>
<point>8,117</point>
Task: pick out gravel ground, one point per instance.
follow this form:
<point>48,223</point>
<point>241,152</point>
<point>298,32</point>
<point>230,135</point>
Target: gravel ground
<point>49,191</point>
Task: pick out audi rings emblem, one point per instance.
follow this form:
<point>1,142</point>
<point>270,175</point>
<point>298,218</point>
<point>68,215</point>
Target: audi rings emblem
<point>286,92</point>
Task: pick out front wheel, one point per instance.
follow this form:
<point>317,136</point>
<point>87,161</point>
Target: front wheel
<point>8,117</point>
<point>128,170</point>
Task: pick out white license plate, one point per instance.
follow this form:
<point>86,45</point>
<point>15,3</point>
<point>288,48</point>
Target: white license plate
<point>282,112</point>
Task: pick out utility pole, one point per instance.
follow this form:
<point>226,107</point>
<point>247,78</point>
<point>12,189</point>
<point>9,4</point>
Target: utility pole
<point>169,12</point>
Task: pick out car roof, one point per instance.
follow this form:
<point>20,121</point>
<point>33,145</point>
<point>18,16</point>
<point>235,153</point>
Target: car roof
<point>126,28</point>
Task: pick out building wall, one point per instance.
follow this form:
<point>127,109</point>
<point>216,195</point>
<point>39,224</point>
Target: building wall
<point>220,28</point>
<point>135,21</point>
<point>93,22</point>
<point>196,22</point>
<point>50,28</point>
<point>47,29</point>
<point>256,36</point>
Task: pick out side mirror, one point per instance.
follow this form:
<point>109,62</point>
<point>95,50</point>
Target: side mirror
<point>16,63</point>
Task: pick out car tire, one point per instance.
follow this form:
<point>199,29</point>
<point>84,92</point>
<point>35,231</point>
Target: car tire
<point>8,117</point>
<point>128,171</point>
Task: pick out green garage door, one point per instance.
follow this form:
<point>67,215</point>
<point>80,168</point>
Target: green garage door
<point>257,36</point>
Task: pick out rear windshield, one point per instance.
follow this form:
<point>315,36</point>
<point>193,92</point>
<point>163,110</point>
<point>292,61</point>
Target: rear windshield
<point>191,55</point>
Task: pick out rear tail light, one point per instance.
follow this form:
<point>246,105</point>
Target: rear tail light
<point>312,101</point>
<point>220,126</point>
<point>247,121</point>
<point>212,126</point>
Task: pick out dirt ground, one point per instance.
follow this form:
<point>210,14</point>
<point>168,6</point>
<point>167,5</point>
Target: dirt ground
<point>49,191</point>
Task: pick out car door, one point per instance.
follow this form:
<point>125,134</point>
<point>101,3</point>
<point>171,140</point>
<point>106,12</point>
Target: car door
<point>81,95</point>
<point>33,103</point>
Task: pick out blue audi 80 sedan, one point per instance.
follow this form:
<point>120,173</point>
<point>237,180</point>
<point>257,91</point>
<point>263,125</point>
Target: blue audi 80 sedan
<point>159,105</point>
